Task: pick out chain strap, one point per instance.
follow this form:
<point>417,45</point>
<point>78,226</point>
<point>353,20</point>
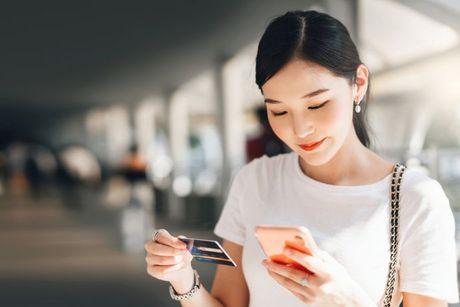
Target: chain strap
<point>398,171</point>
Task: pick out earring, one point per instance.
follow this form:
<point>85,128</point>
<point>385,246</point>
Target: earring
<point>357,107</point>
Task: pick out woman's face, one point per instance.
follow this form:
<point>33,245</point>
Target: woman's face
<point>299,119</point>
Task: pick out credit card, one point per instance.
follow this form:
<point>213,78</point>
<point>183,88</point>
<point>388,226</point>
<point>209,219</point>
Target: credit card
<point>209,251</point>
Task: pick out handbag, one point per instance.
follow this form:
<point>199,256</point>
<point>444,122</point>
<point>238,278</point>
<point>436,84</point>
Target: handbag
<point>398,171</point>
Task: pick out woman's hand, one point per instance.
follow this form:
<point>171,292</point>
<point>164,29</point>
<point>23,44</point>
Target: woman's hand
<point>329,285</point>
<point>168,258</point>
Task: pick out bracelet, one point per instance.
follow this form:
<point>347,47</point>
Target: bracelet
<point>179,297</point>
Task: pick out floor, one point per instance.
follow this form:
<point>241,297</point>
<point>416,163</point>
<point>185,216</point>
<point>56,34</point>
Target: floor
<point>53,255</point>
<point>64,249</point>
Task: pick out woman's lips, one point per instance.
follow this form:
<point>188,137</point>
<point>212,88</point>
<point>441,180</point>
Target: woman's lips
<point>312,146</point>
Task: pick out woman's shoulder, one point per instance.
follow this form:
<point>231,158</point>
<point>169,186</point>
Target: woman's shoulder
<point>419,191</point>
<point>417,182</point>
<point>266,166</point>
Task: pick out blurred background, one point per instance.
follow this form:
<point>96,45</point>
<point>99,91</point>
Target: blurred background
<point>117,118</point>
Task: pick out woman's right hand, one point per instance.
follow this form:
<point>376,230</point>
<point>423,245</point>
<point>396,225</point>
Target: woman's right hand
<point>168,258</point>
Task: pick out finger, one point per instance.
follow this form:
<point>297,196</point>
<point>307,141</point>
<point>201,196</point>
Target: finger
<point>163,260</point>
<point>312,263</point>
<point>166,238</point>
<point>330,261</point>
<point>189,245</point>
<point>292,285</point>
<point>310,242</point>
<point>291,273</point>
<point>328,258</point>
<point>303,298</point>
<point>162,250</point>
<point>159,270</point>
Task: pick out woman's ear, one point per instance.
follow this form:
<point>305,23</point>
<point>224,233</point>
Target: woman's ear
<point>361,82</point>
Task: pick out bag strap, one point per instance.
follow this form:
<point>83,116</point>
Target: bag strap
<point>398,171</point>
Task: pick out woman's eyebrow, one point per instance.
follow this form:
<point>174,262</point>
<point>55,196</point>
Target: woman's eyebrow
<point>315,93</point>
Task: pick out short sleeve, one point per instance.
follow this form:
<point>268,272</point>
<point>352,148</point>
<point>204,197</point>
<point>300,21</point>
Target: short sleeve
<point>428,250</point>
<point>230,225</point>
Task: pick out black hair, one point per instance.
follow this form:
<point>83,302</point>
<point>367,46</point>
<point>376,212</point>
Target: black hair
<point>315,37</point>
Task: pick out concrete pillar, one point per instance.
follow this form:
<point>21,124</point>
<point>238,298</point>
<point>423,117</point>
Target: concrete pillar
<point>230,88</point>
<point>145,125</point>
<point>178,132</point>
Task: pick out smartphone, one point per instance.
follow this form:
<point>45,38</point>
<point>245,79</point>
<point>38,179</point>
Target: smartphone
<point>274,238</point>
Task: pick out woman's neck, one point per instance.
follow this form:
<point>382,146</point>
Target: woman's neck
<point>353,164</point>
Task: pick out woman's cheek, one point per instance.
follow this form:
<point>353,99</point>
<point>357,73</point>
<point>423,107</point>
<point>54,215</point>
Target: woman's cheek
<point>332,120</point>
<point>281,128</point>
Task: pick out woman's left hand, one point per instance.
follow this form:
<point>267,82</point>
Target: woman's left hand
<point>329,285</point>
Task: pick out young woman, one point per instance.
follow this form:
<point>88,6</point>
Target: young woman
<point>316,90</point>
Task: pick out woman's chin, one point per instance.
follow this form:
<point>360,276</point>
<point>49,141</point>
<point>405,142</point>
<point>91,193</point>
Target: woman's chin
<point>314,161</point>
<point>316,156</point>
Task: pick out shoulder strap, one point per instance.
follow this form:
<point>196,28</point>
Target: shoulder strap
<point>398,171</point>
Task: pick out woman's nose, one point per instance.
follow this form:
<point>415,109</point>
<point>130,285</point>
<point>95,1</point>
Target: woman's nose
<point>305,133</point>
<point>302,128</point>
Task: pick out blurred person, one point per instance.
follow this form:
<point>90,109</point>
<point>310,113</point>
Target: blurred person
<point>134,165</point>
<point>117,192</point>
<point>16,155</point>
<point>134,169</point>
<point>196,159</point>
<point>80,164</point>
<point>316,90</point>
<point>32,172</point>
<point>2,172</point>
<point>204,160</point>
<point>79,169</point>
<point>266,142</point>
<point>136,220</point>
<point>159,169</point>
<point>40,167</point>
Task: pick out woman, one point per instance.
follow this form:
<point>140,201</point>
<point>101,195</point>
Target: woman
<point>316,90</point>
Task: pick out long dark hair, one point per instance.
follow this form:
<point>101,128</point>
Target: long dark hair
<point>315,37</point>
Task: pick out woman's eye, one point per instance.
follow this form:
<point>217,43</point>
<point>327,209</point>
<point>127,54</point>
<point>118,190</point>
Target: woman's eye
<point>318,106</point>
<point>279,114</point>
<point>311,108</point>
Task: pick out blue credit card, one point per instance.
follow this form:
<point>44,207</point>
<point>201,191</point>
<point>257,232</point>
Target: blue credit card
<point>209,251</point>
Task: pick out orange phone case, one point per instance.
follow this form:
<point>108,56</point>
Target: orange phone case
<point>274,238</point>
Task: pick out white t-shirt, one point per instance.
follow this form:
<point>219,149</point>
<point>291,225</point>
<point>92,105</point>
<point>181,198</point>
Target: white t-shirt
<point>351,223</point>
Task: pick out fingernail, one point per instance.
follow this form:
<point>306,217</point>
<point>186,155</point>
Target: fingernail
<point>181,245</point>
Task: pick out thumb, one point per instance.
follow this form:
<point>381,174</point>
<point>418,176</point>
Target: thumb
<point>179,243</point>
<point>309,240</point>
<point>166,238</point>
<point>328,258</point>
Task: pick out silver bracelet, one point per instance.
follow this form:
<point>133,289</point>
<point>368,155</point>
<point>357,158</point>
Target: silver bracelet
<point>179,297</point>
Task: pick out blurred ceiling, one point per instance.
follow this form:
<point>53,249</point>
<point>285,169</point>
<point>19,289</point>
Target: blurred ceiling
<point>64,53</point>
<point>59,58</point>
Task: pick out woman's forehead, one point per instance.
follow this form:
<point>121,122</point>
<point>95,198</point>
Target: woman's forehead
<point>297,78</point>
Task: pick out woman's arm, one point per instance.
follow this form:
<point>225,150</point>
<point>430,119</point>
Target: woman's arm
<point>415,300</point>
<point>202,298</point>
<point>229,288</point>
<point>229,284</point>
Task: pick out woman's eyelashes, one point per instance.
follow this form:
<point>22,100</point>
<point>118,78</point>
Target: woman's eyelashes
<point>311,108</point>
